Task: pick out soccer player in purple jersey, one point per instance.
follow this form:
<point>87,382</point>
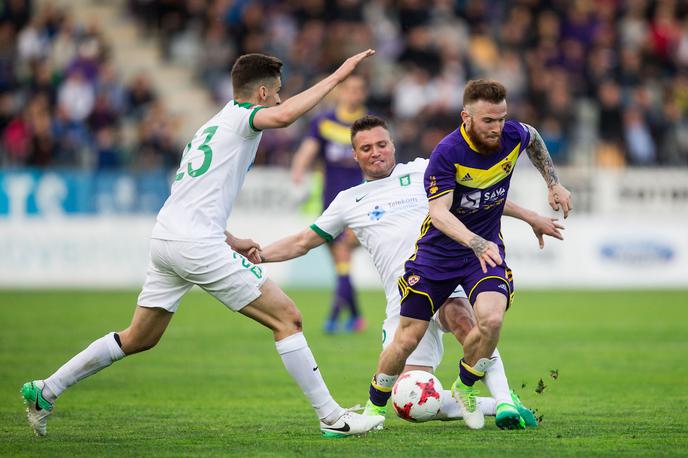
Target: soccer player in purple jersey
<point>466,181</point>
<point>328,139</point>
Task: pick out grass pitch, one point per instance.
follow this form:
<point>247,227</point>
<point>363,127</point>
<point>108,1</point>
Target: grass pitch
<point>215,385</point>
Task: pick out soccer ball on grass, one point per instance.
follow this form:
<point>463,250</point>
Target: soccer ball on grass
<point>417,396</point>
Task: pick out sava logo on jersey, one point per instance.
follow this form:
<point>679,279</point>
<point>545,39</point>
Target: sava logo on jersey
<point>476,199</point>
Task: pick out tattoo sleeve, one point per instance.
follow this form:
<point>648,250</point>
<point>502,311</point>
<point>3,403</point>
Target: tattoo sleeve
<point>478,244</point>
<point>539,156</point>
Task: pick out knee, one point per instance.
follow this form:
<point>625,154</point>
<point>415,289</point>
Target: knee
<point>132,343</point>
<point>491,324</point>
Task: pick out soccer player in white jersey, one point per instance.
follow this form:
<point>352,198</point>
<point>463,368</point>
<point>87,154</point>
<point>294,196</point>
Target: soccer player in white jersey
<point>385,213</point>
<point>190,246</point>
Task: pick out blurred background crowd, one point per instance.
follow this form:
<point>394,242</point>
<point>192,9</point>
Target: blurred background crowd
<point>604,81</point>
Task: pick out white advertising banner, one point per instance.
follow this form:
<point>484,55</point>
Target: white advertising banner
<point>113,252</point>
<point>628,230</point>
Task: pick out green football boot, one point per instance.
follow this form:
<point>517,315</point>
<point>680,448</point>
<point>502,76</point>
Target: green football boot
<point>526,413</point>
<point>507,417</point>
<point>373,410</point>
<point>37,407</point>
<point>466,397</point>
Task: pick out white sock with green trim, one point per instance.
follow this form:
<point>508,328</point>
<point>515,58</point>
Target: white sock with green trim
<point>99,355</point>
<point>495,380</point>
<point>300,363</point>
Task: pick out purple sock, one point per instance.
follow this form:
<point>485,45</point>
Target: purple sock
<point>468,378</point>
<point>379,398</point>
<point>336,309</point>
<point>345,294</point>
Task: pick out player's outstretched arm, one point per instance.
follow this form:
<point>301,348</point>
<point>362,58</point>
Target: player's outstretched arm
<point>292,109</point>
<point>303,158</point>
<point>558,195</point>
<point>443,219</point>
<point>541,225</point>
<point>291,247</point>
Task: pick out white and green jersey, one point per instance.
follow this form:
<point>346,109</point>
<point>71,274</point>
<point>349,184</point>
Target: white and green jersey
<point>386,216</point>
<point>211,173</point>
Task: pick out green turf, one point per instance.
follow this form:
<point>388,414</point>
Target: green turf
<point>215,386</point>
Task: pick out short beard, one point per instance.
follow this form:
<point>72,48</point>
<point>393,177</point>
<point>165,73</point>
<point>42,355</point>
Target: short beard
<point>481,146</point>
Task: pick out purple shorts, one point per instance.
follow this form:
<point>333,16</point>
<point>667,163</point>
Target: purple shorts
<point>421,297</point>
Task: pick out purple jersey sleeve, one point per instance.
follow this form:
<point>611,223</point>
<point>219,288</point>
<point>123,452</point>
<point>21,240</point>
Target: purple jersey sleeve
<point>519,130</point>
<point>440,175</point>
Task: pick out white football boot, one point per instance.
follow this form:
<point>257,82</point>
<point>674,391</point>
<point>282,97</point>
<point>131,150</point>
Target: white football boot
<point>351,424</point>
<point>466,397</point>
<point>37,407</point>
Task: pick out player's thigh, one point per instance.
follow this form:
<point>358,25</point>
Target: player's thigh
<point>275,310</point>
<point>490,293</point>
<point>456,316</point>
<point>429,350</point>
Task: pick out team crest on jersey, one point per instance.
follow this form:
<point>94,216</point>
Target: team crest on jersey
<point>413,279</point>
<point>507,166</point>
<point>376,213</point>
<point>405,180</point>
<point>433,185</point>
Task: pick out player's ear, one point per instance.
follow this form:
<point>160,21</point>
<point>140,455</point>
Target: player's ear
<point>262,93</point>
<point>353,153</point>
<point>465,117</point>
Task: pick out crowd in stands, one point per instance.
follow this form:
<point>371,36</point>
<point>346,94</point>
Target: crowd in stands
<point>604,81</point>
<point>63,104</point>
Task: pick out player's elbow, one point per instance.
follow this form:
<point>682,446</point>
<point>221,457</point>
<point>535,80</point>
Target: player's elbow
<point>283,116</point>
<point>437,217</point>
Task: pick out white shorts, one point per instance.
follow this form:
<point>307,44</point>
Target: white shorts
<point>430,349</point>
<point>176,266</point>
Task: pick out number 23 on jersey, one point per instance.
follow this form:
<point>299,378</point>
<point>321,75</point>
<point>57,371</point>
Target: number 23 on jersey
<point>186,166</point>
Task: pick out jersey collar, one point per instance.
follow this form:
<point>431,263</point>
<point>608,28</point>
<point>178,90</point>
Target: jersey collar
<point>242,104</point>
<point>465,136</point>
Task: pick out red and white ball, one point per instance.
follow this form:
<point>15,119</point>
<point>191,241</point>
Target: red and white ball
<point>417,396</point>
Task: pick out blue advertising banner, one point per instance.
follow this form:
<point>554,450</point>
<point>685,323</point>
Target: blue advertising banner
<point>33,192</point>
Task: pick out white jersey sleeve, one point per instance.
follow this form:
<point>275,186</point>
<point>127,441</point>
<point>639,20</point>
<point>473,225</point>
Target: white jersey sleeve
<point>244,125</point>
<point>332,222</point>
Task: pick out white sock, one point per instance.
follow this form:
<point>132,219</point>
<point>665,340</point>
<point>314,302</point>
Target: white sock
<point>495,379</point>
<point>450,409</point>
<point>100,354</point>
<point>301,365</point>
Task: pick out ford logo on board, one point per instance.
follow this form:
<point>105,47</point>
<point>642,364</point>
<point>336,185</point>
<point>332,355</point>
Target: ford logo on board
<point>637,252</point>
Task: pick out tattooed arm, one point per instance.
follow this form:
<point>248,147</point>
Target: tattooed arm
<point>443,219</point>
<point>558,195</point>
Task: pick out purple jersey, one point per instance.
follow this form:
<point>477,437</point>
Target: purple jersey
<point>480,183</point>
<point>332,131</point>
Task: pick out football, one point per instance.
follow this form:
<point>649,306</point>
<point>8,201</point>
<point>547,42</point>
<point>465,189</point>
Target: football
<point>416,396</point>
